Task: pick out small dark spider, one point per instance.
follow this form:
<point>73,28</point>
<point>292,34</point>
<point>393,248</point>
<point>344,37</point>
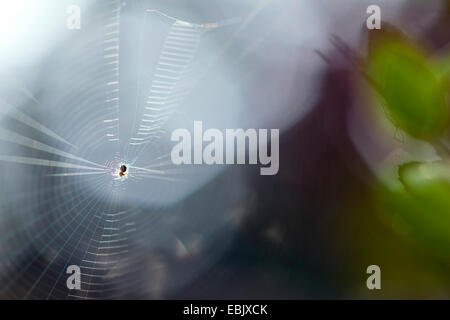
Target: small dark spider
<point>123,169</point>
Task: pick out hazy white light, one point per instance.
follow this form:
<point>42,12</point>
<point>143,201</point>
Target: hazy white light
<point>10,12</point>
<point>19,23</point>
<point>29,29</point>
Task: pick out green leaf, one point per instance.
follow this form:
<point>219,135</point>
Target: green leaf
<point>442,69</point>
<point>423,206</point>
<point>410,89</point>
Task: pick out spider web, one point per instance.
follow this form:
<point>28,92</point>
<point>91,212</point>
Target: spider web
<point>49,219</point>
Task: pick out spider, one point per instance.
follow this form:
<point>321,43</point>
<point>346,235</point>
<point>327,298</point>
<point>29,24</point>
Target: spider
<point>123,169</point>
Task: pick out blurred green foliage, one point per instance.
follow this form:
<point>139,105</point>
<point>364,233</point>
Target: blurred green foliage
<point>422,209</point>
<point>413,93</point>
<point>442,68</point>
